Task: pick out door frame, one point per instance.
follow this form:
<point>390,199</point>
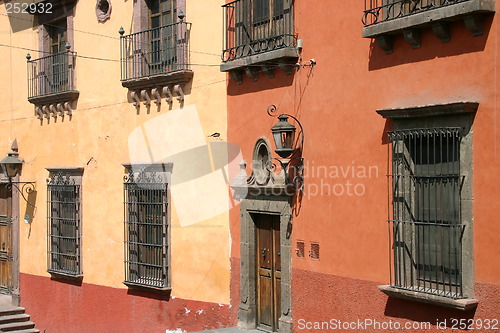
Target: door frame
<point>15,238</point>
<point>264,197</point>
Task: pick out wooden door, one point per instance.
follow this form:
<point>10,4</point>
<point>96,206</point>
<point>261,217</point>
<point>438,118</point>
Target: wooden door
<point>5,239</point>
<point>268,271</point>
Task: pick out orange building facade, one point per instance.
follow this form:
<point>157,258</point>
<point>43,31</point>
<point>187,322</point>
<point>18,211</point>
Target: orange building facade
<point>390,224</point>
<point>111,114</point>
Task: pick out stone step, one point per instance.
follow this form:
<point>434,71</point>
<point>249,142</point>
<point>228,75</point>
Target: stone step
<point>14,318</point>
<point>17,326</point>
<point>29,330</point>
<point>11,310</point>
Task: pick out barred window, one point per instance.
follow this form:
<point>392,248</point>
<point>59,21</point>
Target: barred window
<point>64,222</point>
<point>426,226</point>
<point>147,221</point>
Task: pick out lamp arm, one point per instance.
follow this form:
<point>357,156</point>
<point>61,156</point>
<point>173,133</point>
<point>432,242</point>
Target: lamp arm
<point>27,187</point>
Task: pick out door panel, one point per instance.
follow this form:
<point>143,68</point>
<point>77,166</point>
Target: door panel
<point>277,269</point>
<point>5,240</point>
<point>269,271</point>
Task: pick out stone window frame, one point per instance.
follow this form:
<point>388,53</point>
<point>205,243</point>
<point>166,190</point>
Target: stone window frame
<point>150,172</point>
<point>60,13</point>
<point>67,176</point>
<point>141,13</point>
<point>447,115</point>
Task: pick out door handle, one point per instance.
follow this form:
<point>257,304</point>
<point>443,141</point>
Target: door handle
<point>264,252</point>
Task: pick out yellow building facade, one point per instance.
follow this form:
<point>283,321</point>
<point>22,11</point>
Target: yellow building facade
<point>113,91</point>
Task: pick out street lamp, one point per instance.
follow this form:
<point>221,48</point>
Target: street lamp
<point>286,148</point>
<point>11,167</point>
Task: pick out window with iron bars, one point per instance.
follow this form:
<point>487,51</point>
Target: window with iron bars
<point>64,223</point>
<point>147,219</point>
<point>426,226</point>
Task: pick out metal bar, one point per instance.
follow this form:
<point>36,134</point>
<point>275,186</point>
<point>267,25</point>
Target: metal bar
<point>155,51</point>
<point>425,228</point>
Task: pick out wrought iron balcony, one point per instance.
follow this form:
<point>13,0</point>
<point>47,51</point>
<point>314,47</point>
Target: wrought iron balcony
<point>384,18</point>
<point>160,53</point>
<point>251,29</point>
<point>377,11</point>
<point>51,77</point>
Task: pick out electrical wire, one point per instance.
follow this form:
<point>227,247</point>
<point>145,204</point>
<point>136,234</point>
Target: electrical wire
<point>126,102</point>
<point>93,33</point>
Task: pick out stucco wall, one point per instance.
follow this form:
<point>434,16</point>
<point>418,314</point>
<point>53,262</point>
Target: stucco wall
<point>346,146</point>
<point>97,137</point>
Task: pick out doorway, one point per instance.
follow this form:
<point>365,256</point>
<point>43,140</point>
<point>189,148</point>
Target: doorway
<point>6,256</point>
<point>268,271</point>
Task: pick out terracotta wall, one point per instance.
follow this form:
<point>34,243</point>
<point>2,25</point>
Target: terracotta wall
<point>336,102</point>
<point>97,137</point>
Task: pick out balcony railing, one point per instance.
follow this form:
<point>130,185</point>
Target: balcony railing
<point>427,257</point>
<point>377,11</point>
<point>50,75</point>
<point>155,51</point>
<point>253,27</point>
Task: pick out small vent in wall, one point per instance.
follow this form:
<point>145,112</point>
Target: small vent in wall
<point>300,250</point>
<point>314,252</point>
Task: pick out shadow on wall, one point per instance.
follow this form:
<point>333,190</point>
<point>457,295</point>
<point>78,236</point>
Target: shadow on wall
<point>462,42</point>
<point>161,296</point>
<point>262,83</point>
<point>423,312</point>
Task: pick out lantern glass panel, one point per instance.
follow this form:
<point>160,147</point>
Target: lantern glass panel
<point>277,140</point>
<point>287,139</point>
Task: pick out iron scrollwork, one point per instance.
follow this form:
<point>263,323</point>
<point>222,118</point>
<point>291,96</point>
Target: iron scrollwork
<point>396,9</point>
<point>142,176</point>
<point>60,178</point>
<point>26,189</point>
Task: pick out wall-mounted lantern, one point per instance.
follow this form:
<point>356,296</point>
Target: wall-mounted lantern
<point>11,167</point>
<point>288,149</point>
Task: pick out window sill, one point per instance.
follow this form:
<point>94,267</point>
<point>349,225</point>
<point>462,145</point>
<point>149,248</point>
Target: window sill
<point>64,275</point>
<point>152,81</point>
<point>458,304</point>
<point>61,97</point>
<point>250,65</point>
<point>141,286</point>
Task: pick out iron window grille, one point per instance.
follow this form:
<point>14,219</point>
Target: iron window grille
<point>426,229</point>
<point>256,26</point>
<point>146,229</point>
<point>64,225</point>
<point>377,11</point>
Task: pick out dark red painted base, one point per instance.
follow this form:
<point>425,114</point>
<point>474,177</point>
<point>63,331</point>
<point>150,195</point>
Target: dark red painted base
<point>321,298</point>
<point>58,306</point>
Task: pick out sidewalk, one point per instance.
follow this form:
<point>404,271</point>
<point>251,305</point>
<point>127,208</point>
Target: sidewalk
<point>230,330</point>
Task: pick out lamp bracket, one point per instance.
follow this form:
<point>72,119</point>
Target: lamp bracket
<point>26,189</point>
